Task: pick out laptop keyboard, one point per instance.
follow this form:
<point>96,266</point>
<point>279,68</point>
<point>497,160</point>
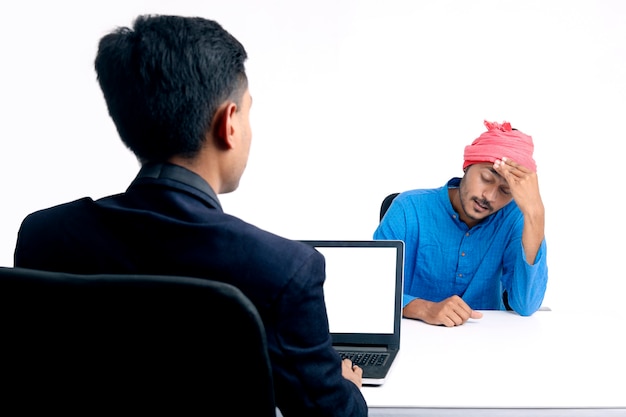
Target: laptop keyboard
<point>365,358</point>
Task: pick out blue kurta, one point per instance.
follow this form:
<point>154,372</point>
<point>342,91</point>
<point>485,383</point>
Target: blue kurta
<point>445,257</point>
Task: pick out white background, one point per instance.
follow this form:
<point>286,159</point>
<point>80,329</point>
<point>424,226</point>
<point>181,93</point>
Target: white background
<point>353,100</point>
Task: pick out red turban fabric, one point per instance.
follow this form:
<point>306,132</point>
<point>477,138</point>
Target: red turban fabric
<point>500,140</point>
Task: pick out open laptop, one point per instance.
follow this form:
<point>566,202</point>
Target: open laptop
<point>363,293</point>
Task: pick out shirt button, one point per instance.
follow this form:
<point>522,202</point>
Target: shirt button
<point>460,275</point>
<point>467,234</point>
<point>462,253</point>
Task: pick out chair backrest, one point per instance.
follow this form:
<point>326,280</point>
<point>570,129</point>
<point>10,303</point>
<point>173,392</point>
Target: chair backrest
<point>386,203</point>
<point>120,344</point>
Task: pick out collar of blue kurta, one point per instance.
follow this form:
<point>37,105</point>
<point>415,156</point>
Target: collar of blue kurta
<point>179,174</point>
<point>454,183</point>
<point>445,200</point>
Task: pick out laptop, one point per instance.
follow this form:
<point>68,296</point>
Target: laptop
<point>363,293</point>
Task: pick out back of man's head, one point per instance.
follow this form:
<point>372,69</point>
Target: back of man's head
<point>164,78</point>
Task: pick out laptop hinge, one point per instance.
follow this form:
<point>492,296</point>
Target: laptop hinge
<point>361,348</point>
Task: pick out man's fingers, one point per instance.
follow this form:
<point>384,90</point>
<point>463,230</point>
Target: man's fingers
<point>460,313</point>
<point>476,315</point>
<point>514,166</point>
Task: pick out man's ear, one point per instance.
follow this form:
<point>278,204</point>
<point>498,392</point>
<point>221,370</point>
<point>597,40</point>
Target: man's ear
<point>223,125</point>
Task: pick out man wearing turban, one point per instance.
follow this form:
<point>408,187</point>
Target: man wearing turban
<point>478,242</point>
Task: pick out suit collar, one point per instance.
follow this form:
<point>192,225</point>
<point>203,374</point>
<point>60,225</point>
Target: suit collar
<point>179,174</point>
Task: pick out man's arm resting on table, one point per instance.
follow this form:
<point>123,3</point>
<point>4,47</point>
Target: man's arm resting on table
<point>452,311</point>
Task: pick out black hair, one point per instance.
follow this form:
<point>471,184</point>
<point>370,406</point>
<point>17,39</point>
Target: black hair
<point>164,79</point>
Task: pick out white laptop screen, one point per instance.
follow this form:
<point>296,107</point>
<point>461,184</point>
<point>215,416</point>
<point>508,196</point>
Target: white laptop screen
<point>360,288</point>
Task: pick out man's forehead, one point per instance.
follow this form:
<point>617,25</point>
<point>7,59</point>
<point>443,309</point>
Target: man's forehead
<point>489,167</point>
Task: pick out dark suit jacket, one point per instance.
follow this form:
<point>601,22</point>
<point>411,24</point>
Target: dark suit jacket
<point>170,222</point>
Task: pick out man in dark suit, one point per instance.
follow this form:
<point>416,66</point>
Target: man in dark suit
<point>177,91</point>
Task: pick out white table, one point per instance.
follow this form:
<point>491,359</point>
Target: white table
<point>550,364</point>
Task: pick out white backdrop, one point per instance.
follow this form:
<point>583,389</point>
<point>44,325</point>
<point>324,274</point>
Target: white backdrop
<point>353,99</point>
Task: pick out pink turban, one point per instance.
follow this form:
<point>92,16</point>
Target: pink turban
<point>500,140</point>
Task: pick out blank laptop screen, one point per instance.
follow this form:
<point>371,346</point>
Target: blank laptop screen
<point>360,288</point>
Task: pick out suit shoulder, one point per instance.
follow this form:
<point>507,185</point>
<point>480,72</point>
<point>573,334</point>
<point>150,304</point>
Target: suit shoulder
<point>68,206</point>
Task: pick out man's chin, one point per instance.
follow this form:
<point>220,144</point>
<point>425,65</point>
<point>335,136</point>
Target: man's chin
<point>478,216</point>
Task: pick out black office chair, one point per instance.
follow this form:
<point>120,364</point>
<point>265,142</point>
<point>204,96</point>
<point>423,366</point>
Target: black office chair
<point>383,209</point>
<point>386,203</point>
<point>122,344</point>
